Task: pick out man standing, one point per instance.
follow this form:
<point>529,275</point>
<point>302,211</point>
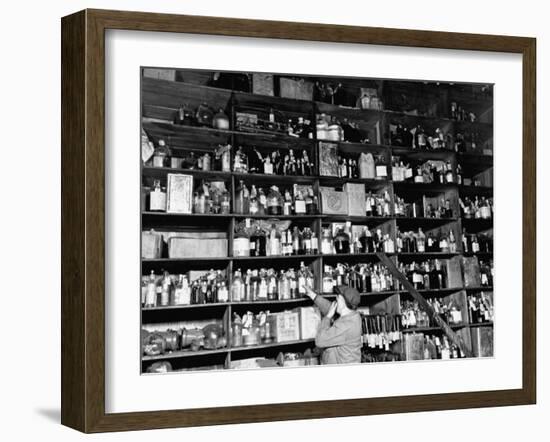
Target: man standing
<point>340,339</point>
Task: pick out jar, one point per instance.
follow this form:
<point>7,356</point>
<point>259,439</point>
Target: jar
<point>334,132</point>
<point>322,128</point>
<point>220,120</point>
<point>184,116</point>
<point>241,245</point>
<point>204,115</point>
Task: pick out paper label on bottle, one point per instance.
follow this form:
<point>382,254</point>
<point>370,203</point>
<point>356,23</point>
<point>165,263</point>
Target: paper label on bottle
<point>268,168</point>
<point>417,277</point>
<point>300,206</point>
<point>307,244</point>
<point>381,171</point>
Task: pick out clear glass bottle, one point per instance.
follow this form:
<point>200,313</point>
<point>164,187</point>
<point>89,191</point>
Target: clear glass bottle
<point>157,198</point>
<point>237,287</point>
<point>327,244</point>
<point>183,291</point>
<point>151,296</point>
<point>274,202</point>
<point>273,246</point>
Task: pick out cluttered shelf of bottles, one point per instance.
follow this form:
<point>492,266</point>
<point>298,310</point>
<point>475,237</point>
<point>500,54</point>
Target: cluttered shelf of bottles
<point>255,186</point>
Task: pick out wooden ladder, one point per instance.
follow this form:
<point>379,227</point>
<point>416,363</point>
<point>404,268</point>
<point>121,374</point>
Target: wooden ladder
<point>425,305</point>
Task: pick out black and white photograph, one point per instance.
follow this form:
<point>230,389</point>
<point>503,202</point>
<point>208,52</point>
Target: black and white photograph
<point>293,220</point>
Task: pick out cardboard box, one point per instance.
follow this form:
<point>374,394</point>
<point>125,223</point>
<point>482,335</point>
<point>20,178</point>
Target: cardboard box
<point>198,245</point>
<point>356,199</point>
<point>285,326</point>
<point>482,341</point>
<point>297,89</point>
<point>151,245</point>
<point>160,74</point>
<point>470,269</point>
<point>333,202</point>
<point>179,193</point>
<point>328,154</point>
<point>263,84</point>
<point>310,319</point>
<point>413,346</point>
<point>454,272</point>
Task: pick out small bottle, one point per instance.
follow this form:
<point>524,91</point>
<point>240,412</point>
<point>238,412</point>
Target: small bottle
<point>157,198</point>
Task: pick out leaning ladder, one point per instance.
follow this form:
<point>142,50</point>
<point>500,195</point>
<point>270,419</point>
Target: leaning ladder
<point>425,305</point>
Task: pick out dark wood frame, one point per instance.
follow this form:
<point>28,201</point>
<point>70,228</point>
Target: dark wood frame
<point>83,216</point>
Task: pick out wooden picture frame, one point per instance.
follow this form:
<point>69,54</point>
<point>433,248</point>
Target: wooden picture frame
<point>83,219</point>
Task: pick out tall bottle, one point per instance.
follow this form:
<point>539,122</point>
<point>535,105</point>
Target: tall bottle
<point>420,241</point>
<point>237,287</point>
<point>151,296</point>
<point>367,168</point>
<point>242,199</point>
<point>274,202</point>
<point>273,246</point>
<point>182,293</point>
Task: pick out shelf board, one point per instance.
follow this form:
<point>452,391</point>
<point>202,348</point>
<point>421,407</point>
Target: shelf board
<point>162,172</point>
<point>230,258</point>
<point>183,354</point>
<point>482,324</point>
<point>185,307</point>
<point>428,255</point>
<point>423,187</point>
<point>432,329</point>
<point>475,190</point>
<point>337,181</point>
<point>367,294</point>
<point>479,254</point>
<point>488,288</point>
<point>357,219</point>
<point>271,345</point>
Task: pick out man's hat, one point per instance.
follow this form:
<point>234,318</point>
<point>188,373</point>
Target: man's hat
<point>350,294</point>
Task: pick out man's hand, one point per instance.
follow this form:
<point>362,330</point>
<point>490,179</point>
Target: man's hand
<point>310,292</point>
<point>332,310</point>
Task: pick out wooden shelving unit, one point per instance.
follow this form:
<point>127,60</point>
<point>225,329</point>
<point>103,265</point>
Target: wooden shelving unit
<point>160,100</point>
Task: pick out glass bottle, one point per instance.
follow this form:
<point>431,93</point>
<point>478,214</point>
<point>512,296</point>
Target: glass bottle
<point>420,241</point>
<point>293,283</point>
<point>160,157</point>
<point>274,202</point>
<point>263,286</point>
<point>182,295</point>
<point>157,198</point>
<point>272,285</point>
<point>254,208</point>
<point>341,242</point>
<point>222,294</point>
<point>299,202</point>
<point>273,245</point>
<point>302,274</point>
<point>241,199</point>
<point>220,120</point>
<point>284,286</point>
<point>327,245</point>
<point>237,287</point>
<point>225,203</point>
<point>306,241</point>
<point>166,289</point>
<point>151,296</point>
<point>311,207</point>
